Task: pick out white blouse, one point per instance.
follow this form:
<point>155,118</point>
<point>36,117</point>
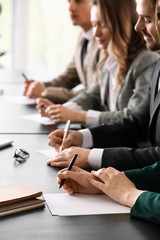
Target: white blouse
<point>92,117</point>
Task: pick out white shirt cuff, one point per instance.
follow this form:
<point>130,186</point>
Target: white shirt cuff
<point>87,138</point>
<point>73,106</point>
<point>95,158</point>
<point>92,117</point>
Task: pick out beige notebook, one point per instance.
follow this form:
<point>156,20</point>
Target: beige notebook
<point>19,198</point>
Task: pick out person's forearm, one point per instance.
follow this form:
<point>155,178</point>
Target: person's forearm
<point>92,117</point>
<point>80,117</point>
<point>147,207</point>
<point>131,197</point>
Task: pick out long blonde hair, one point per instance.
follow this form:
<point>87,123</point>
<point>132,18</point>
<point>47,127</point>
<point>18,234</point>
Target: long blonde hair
<point>120,17</point>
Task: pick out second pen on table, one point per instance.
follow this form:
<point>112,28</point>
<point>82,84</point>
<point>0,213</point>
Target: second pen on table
<point>65,134</point>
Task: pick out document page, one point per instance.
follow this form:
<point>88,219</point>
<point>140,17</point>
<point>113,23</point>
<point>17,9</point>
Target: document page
<point>37,118</point>
<point>22,100</point>
<point>63,204</point>
<point>50,152</point>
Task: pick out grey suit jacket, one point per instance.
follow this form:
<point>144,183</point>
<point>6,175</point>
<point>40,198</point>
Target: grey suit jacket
<point>59,90</point>
<point>136,83</point>
<point>120,138</point>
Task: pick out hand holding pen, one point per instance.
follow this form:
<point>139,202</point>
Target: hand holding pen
<point>65,134</point>
<point>69,168</point>
<point>26,84</point>
<point>27,80</point>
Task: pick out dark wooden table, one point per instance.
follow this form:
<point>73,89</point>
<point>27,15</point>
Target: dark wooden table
<point>39,223</point>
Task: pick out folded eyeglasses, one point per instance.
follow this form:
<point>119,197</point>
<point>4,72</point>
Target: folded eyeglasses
<point>21,155</point>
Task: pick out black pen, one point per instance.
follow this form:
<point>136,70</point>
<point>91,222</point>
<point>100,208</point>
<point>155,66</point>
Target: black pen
<point>25,77</point>
<point>43,107</point>
<point>69,168</point>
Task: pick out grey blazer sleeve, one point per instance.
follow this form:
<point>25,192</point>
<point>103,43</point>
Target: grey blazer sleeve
<point>89,99</point>
<point>68,79</point>
<point>59,90</point>
<point>136,84</point>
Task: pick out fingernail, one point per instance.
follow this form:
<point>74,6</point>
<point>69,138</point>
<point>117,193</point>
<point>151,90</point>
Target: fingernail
<point>60,174</point>
<point>53,164</point>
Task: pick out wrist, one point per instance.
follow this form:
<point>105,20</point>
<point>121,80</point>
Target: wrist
<point>132,196</point>
<point>86,163</point>
<point>80,138</point>
<point>80,116</point>
<point>44,92</point>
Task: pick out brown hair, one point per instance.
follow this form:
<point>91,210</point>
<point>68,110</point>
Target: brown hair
<point>120,17</point>
<point>157,18</point>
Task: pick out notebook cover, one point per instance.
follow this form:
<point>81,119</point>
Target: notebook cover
<point>17,193</point>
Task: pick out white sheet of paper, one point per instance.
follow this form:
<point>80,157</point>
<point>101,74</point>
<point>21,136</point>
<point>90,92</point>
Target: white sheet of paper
<point>20,99</point>
<point>51,152</point>
<point>63,204</point>
<point>37,118</point>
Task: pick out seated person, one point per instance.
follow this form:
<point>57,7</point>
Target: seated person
<point>60,89</point>
<point>116,144</point>
<point>138,189</point>
<point>126,73</point>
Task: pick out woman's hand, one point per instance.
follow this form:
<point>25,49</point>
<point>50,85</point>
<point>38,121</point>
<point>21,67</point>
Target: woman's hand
<point>26,86</point>
<point>74,138</point>
<point>76,181</point>
<point>42,105</point>
<point>33,89</point>
<point>58,113</point>
<point>63,159</point>
<point>116,185</point>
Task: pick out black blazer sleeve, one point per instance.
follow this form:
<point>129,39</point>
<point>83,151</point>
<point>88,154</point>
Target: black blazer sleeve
<point>127,132</point>
<point>120,140</point>
<point>123,158</point>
